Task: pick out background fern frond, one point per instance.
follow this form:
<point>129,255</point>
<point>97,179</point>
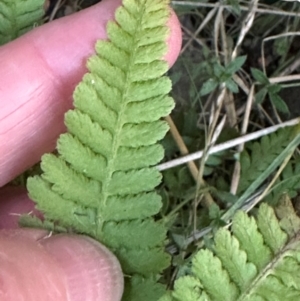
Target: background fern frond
<point>259,155</point>
<point>288,182</point>
<point>102,181</point>
<point>18,17</point>
<point>257,261</point>
<point>263,174</point>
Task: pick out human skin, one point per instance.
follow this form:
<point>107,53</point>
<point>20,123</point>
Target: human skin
<point>37,77</point>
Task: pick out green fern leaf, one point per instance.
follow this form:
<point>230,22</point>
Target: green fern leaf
<point>18,17</point>
<point>263,174</point>
<point>102,181</point>
<point>288,182</point>
<point>259,155</point>
<point>234,259</point>
<point>216,281</point>
<point>268,225</point>
<point>190,289</point>
<point>250,239</point>
<point>258,261</point>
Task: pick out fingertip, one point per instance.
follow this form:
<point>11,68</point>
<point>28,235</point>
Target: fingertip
<point>27,271</point>
<point>36,267</point>
<point>175,39</point>
<point>92,271</point>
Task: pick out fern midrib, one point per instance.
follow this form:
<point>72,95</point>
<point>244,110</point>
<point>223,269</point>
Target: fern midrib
<point>116,137</point>
<point>266,271</point>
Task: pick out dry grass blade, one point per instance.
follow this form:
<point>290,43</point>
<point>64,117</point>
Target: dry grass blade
<point>237,167</point>
<point>227,145</point>
<point>182,147</point>
<point>247,24</point>
<point>207,19</point>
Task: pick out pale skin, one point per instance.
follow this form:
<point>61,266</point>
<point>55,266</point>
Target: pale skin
<point>38,74</point>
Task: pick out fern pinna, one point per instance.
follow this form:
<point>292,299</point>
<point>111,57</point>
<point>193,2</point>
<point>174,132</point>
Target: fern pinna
<point>258,261</point>
<point>102,181</point>
<point>18,17</point>
<point>258,155</point>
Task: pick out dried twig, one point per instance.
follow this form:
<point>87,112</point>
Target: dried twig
<point>182,147</point>
<point>228,144</point>
<point>237,167</point>
<point>247,24</point>
<point>199,29</point>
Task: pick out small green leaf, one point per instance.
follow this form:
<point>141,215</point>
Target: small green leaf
<point>261,95</point>
<point>260,76</point>
<point>232,86</point>
<point>274,89</point>
<point>219,70</point>
<point>236,64</point>
<point>208,87</point>
<point>279,103</point>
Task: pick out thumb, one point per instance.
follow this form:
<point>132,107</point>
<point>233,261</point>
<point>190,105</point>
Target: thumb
<point>63,267</point>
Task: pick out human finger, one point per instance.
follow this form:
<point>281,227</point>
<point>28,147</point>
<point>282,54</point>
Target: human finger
<point>63,267</point>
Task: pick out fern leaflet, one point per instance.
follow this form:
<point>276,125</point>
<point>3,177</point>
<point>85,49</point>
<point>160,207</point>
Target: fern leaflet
<point>18,17</point>
<point>259,155</point>
<point>102,181</point>
<point>289,182</point>
<point>258,261</point>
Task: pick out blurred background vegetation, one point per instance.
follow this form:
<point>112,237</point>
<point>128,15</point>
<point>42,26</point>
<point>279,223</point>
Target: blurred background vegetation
<point>238,73</point>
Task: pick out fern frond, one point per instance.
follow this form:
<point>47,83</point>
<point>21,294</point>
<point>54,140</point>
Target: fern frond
<point>18,17</point>
<point>259,260</point>
<point>288,182</point>
<point>259,155</point>
<point>102,181</point>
